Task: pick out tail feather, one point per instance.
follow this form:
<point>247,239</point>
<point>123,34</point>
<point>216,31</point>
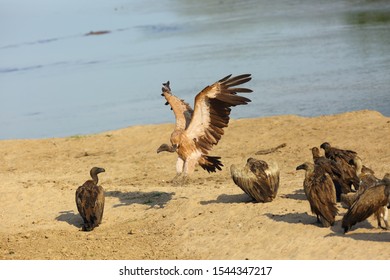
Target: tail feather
<point>210,163</point>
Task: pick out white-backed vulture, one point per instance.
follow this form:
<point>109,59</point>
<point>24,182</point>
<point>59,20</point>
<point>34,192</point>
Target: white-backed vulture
<point>349,161</point>
<point>90,201</point>
<point>374,200</point>
<point>258,179</point>
<point>320,193</point>
<point>198,130</point>
<point>334,169</point>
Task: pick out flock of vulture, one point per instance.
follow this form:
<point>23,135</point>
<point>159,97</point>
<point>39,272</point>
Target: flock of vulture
<point>339,176</point>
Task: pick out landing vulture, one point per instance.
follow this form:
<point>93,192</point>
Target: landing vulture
<point>373,200</point>
<point>90,201</point>
<point>349,161</point>
<point>258,179</point>
<point>198,130</point>
<point>320,193</point>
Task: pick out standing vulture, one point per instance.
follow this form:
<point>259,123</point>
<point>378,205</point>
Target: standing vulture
<point>258,179</point>
<point>90,201</point>
<point>367,179</point>
<point>198,130</point>
<point>334,169</point>
<point>372,200</point>
<point>349,161</point>
<point>320,193</point>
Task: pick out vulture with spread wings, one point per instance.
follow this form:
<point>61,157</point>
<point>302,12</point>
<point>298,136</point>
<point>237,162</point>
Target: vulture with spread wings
<point>258,179</point>
<point>198,130</point>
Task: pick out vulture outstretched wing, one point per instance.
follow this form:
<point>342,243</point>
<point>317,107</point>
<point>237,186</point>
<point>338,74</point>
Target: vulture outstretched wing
<point>257,179</point>
<point>245,179</point>
<point>182,110</point>
<point>212,110</point>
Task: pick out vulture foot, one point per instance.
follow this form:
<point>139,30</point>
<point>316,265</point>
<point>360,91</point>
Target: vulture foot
<point>180,180</point>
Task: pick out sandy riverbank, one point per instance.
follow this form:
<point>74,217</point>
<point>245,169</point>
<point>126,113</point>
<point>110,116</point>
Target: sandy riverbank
<point>210,218</point>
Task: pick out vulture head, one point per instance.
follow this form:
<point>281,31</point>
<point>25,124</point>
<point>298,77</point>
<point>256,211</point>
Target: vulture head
<point>165,148</point>
<point>305,166</point>
<point>325,146</point>
<point>94,172</point>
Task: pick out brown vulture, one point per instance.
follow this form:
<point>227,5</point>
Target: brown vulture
<point>335,171</point>
<point>90,201</point>
<point>366,179</point>
<point>374,200</point>
<point>320,193</point>
<point>198,130</point>
<point>349,161</point>
<point>258,179</point>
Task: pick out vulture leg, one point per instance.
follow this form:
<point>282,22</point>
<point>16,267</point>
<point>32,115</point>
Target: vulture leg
<point>382,215</point>
<point>189,165</point>
<point>180,180</point>
<point>179,166</point>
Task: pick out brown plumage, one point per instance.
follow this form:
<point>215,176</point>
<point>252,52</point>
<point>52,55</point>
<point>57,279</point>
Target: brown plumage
<point>90,201</point>
<point>349,160</point>
<point>320,193</point>
<point>366,179</point>
<point>198,130</point>
<point>258,179</point>
<point>373,200</point>
<point>334,169</point>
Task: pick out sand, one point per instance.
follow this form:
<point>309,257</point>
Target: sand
<point>146,217</point>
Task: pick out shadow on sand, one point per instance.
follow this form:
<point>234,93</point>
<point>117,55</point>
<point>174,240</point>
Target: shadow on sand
<point>153,199</point>
<point>70,217</point>
<point>293,218</point>
<point>297,195</point>
<point>230,198</point>
<point>377,234</point>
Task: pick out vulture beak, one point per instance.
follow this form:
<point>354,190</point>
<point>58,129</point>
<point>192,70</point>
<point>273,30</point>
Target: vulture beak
<point>101,170</point>
<point>175,147</point>
<point>299,167</point>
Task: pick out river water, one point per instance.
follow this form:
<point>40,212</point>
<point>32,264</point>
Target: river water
<point>307,58</point>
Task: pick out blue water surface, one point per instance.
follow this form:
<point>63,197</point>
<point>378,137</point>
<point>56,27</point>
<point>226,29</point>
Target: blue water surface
<point>80,67</point>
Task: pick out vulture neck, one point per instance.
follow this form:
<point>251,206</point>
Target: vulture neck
<point>94,177</point>
<point>309,171</point>
<point>358,166</point>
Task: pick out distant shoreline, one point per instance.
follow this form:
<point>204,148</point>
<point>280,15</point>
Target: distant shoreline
<point>76,135</point>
